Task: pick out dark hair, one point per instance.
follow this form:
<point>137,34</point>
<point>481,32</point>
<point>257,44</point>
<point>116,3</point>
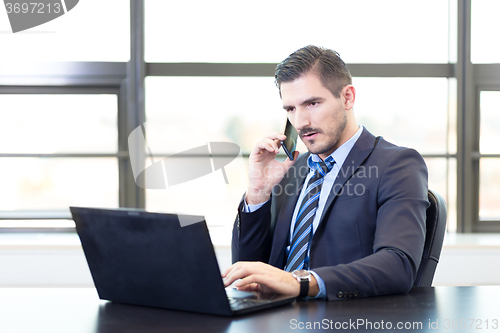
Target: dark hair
<point>326,63</point>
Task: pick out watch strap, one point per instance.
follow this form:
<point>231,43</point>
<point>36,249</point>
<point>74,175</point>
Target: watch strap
<point>303,277</point>
<point>304,287</point>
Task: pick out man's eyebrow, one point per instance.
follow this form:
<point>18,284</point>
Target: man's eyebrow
<point>307,101</point>
<point>312,100</point>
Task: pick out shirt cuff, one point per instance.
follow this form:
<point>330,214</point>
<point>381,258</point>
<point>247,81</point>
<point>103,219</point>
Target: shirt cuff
<point>321,285</point>
<point>251,208</point>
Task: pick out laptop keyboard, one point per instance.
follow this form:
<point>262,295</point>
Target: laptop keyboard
<point>243,303</point>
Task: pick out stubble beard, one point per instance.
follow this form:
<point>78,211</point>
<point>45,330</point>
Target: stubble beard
<point>332,137</point>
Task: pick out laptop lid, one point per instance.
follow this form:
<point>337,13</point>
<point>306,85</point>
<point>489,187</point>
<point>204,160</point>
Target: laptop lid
<point>145,258</point>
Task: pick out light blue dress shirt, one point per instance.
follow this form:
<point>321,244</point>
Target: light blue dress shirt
<point>339,155</point>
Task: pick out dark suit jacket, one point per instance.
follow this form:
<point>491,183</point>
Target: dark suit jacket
<point>371,234</point>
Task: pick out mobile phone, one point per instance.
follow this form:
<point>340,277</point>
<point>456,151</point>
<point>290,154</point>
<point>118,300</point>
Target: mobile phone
<point>290,143</point>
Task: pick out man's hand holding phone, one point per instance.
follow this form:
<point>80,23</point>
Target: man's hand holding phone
<point>264,170</point>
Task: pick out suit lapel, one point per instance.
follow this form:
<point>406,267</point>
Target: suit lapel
<point>358,154</point>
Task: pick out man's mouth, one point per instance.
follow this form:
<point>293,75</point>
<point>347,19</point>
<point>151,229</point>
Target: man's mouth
<point>309,136</point>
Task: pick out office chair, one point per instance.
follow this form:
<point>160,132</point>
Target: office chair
<point>436,225</point>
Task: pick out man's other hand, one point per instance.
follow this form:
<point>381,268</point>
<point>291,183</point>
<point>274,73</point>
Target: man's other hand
<point>258,276</point>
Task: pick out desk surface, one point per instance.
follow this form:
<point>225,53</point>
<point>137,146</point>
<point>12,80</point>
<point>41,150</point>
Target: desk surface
<point>440,309</point>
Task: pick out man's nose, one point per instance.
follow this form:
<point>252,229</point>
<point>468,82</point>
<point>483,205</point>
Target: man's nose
<point>302,119</point>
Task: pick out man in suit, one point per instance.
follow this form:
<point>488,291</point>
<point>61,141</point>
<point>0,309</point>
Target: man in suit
<point>346,219</point>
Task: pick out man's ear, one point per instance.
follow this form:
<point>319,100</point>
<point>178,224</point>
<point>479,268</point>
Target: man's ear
<point>348,95</point>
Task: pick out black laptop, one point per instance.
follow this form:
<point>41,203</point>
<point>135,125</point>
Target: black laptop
<point>143,258</point>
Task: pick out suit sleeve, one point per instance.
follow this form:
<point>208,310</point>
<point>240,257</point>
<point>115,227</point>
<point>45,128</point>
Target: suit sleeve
<point>398,238</point>
<point>252,236</point>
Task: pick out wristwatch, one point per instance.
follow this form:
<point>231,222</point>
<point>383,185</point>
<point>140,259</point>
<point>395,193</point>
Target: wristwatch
<point>303,277</point>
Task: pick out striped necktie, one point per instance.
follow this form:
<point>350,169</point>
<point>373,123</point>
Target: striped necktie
<point>302,231</point>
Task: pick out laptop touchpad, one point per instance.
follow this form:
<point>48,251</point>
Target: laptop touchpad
<point>235,293</point>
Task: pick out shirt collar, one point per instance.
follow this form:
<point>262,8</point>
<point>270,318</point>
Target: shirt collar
<point>340,154</point>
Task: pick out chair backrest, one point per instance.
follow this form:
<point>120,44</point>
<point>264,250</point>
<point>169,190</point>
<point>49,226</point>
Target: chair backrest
<point>436,225</point>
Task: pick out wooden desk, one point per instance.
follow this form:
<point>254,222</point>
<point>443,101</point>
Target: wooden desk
<point>80,310</point>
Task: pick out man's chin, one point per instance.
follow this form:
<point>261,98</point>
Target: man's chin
<point>317,150</point>
<point>313,149</point>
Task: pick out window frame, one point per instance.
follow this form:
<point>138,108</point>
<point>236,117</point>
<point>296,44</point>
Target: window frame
<point>74,78</point>
<point>127,81</point>
<point>481,225</point>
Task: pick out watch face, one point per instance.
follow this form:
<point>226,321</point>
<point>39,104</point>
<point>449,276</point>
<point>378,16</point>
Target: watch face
<point>301,273</point>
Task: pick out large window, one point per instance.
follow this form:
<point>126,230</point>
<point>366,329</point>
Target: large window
<point>196,72</point>
<point>489,170</point>
<point>484,22</point>
<point>93,31</point>
<point>57,151</point>
<point>362,31</point>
